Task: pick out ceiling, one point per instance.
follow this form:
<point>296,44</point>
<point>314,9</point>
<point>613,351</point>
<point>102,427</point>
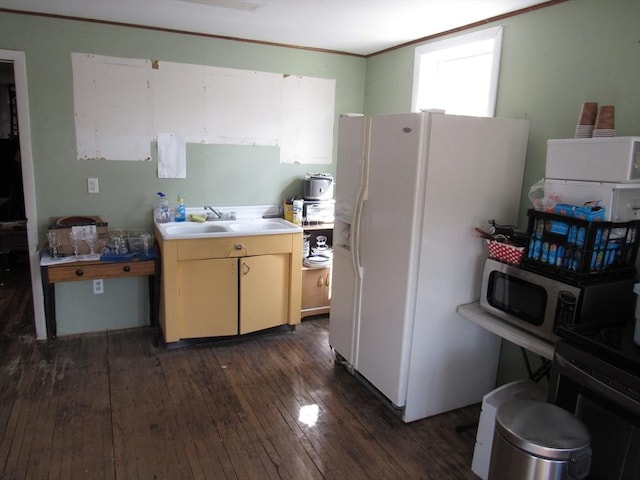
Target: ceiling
<point>360,27</point>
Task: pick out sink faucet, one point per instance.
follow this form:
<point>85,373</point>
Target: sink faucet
<point>217,213</point>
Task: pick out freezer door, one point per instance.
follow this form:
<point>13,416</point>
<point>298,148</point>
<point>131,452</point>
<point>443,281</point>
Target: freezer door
<point>349,164</point>
<point>345,295</point>
<point>344,305</point>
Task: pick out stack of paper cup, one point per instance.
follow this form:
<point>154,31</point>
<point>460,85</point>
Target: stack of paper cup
<point>586,120</point>
<point>605,122</point>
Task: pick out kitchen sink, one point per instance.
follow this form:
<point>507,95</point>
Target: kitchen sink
<point>261,225</point>
<point>192,227</point>
<point>225,228</point>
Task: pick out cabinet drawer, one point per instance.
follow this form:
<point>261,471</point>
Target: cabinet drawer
<point>200,248</point>
<point>70,273</point>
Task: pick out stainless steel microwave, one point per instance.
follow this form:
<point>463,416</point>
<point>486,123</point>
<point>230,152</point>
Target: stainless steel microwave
<point>538,303</point>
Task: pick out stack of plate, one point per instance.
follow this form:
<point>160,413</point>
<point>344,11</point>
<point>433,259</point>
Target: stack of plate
<point>318,256</point>
<point>326,251</point>
<point>305,245</point>
<point>317,261</point>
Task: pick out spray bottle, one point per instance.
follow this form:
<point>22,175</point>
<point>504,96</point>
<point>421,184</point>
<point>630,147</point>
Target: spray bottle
<point>162,212</point>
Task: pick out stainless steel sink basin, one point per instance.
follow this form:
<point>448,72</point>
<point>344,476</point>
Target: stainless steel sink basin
<point>225,228</point>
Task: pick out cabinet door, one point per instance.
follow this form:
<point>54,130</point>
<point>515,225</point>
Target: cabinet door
<point>313,287</point>
<point>326,293</point>
<point>208,297</point>
<point>264,292</point>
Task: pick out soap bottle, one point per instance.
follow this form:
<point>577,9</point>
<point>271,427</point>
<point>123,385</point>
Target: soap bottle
<point>181,211</point>
<point>297,211</point>
<point>163,210</point>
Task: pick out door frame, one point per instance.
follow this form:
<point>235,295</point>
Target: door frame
<point>18,60</point>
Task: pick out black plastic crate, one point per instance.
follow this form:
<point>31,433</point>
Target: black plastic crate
<point>579,250</point>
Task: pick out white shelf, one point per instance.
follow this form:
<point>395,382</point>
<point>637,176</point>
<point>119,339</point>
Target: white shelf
<point>475,314</point>
<point>318,226</point>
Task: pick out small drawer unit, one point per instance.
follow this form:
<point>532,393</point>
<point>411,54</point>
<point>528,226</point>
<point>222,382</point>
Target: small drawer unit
<point>91,271</point>
<point>613,159</point>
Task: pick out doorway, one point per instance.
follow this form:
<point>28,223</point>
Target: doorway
<point>13,220</point>
<point>18,215</point>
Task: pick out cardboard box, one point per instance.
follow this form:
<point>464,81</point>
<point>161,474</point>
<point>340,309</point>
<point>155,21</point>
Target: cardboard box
<point>64,225</point>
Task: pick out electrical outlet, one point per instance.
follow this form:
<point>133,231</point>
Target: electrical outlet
<point>92,185</point>
<point>98,287</point>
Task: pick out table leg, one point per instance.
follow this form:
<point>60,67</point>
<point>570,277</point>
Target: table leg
<point>49,293</point>
<point>154,302</point>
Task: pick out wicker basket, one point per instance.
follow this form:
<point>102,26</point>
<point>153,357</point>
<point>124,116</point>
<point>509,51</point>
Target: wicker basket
<point>504,252</point>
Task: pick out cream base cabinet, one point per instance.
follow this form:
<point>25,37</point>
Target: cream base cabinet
<point>316,281</point>
<point>264,292</point>
<point>316,291</point>
<point>212,287</point>
<point>208,293</point>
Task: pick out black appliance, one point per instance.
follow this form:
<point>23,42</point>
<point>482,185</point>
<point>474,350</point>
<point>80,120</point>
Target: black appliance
<point>595,374</point>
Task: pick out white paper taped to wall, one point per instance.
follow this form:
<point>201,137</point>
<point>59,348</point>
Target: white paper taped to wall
<point>120,104</point>
<point>172,156</point>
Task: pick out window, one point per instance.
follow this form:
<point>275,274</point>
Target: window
<point>459,75</point>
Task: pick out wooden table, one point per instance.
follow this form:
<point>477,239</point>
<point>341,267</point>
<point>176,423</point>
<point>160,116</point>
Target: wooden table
<point>90,270</point>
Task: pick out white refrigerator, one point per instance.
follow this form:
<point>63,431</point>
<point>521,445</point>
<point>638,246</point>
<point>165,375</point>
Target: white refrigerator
<point>410,188</point>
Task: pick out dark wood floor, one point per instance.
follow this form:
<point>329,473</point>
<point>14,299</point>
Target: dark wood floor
<point>110,405</point>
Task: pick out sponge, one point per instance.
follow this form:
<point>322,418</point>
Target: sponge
<point>197,218</point>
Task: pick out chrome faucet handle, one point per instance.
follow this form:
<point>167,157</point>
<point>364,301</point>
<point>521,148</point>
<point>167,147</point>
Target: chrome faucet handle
<point>215,212</point>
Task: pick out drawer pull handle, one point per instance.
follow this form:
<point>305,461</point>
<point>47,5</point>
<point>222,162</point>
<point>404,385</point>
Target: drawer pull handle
<point>126,268</point>
<point>79,272</point>
<point>238,246</point>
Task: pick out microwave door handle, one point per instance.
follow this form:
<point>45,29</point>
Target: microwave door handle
<point>599,387</point>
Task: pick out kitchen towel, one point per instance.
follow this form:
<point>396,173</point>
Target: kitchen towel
<point>172,156</point>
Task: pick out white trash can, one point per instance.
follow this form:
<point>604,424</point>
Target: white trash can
<point>539,441</point>
<point>491,402</point>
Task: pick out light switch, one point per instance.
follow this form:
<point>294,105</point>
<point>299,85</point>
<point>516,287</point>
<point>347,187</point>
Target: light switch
<point>92,185</point>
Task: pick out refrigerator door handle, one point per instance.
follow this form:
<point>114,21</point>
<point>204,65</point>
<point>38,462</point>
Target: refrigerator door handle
<point>363,194</point>
<point>355,240</point>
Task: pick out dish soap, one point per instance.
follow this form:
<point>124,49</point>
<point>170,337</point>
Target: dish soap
<point>181,211</point>
<point>163,211</point>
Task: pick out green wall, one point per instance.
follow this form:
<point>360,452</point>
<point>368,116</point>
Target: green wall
<point>553,60</point>
<point>216,175</point>
<point>219,175</point>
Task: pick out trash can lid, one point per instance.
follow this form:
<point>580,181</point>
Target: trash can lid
<point>542,429</point>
